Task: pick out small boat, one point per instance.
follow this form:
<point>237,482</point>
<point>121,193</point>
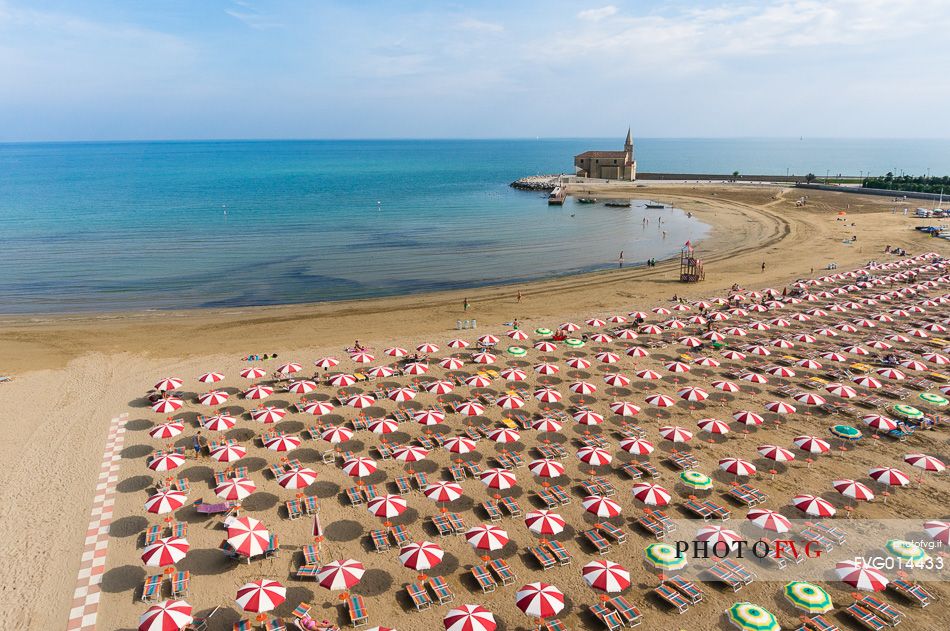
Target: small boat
<point>618,203</point>
<point>587,200</point>
<point>655,205</point>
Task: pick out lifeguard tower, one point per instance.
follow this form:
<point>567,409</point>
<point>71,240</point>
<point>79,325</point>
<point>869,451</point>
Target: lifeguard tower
<point>691,268</point>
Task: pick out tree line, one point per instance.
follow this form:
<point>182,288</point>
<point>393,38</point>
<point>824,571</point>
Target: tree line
<point>915,183</point>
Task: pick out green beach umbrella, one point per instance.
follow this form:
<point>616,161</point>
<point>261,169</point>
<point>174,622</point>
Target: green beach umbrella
<point>543,331</point>
<point>663,556</point>
<point>573,342</point>
<point>907,411</point>
<point>808,597</point>
<point>846,431</point>
<point>906,551</point>
<point>749,617</point>
<point>934,399</point>
<point>517,351</point>
<point>696,480</point>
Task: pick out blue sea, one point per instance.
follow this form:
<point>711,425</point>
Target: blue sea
<point>162,225</point>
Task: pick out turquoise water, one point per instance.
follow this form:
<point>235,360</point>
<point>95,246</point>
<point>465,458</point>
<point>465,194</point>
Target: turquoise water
<point>154,225</point>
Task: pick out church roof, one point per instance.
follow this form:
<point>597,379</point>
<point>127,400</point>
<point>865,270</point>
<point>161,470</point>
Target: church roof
<point>602,154</point>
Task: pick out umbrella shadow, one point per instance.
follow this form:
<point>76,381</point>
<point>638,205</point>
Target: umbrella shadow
<point>134,452</point>
<point>240,434</point>
<point>345,530</point>
<point>206,561</point>
<point>324,489</point>
<point>139,425</point>
<point>132,526</point>
<point>134,484</point>
<point>374,583</point>
<point>260,501</point>
<point>122,579</point>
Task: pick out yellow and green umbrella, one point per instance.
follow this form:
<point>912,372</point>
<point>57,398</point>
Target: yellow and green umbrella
<point>517,351</point>
<point>663,556</point>
<point>749,617</point>
<point>696,480</point>
<point>932,398</point>
<point>907,411</point>
<point>573,342</point>
<point>808,597</point>
<point>906,550</point>
<point>543,331</point>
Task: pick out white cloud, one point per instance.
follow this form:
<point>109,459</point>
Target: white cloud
<point>254,20</point>
<point>471,24</point>
<point>595,15</point>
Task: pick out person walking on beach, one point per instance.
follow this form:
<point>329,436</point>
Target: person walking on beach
<point>465,305</point>
<point>196,443</point>
<point>620,260</point>
<point>763,266</point>
<point>519,295</point>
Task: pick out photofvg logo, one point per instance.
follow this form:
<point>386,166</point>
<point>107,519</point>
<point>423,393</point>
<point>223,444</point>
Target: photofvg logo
<point>787,549</point>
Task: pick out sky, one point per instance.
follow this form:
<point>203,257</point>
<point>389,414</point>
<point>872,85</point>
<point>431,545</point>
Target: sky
<point>197,69</point>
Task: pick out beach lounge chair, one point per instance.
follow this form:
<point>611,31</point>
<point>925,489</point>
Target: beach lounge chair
<point>403,487</point>
<point>220,477</point>
<point>698,509</point>
<point>665,521</point>
<point>457,523</point>
<point>276,469</point>
<point>153,534</point>
<point>817,623</point>
<point>601,545</point>
<point>812,535</point>
<point>722,574</point>
<point>912,591</point>
<point>550,501</point>
<point>590,488</point>
<point>180,584</point>
<point>179,529</point>
<point>560,553</point>
<point>371,492</point>
<point>865,618</point>
<point>357,609</point>
<point>630,615</point>
<point>502,570</point>
<point>606,487</point>
<point>672,597</point>
<point>421,480</point>
<point>380,540</point>
<point>610,619</point>
<point>152,588</point>
<point>307,571</point>
<point>631,471</point>
<point>457,472</point>
<point>553,625</point>
<point>293,509</point>
<point>200,623</point>
<point>742,496</point>
<point>484,579</point>
<point>687,588</point>
<point>652,525</point>
<point>310,504</point>
<point>648,469</point>
<point>419,596</point>
<point>739,571</point>
<point>882,610</point>
<point>510,505</point>
<point>543,557</point>
<point>355,495</point>
<point>614,532</point>
<point>400,535</point>
<point>243,625</point>
<point>442,525</point>
<point>441,590</point>
<point>492,511</point>
<point>560,494</point>
<point>302,610</point>
<point>719,512</point>
<point>311,554</point>
<point>835,534</point>
<point>274,624</point>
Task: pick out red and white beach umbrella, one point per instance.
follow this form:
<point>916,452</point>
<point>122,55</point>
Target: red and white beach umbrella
<point>544,522</point>
<point>283,443</point>
<point>513,374</point>
<point>707,362</point>
<point>781,371</point>
<point>637,351</point>
<point>693,394</point>
<point>861,576</point>
<point>540,600</point>
<point>486,537</point>
<point>925,462</point>
<point>624,408</point>
<point>359,467</point>
<point>304,386</point>
<point>813,505</point>
<point>439,387</point>
<point>841,390</point>
<point>733,355</point>
<point>401,395</point>
<point>878,422</point>
<point>360,401</point>
<point>496,478</point>
<point>318,408</point>
<point>601,506</point>
<point>165,551</point>
<point>504,435</point>
<point>427,348</point>
<point>812,444</point>
<point>337,575</point>
<point>459,445</point>
<point>258,392</point>
<point>651,494</point>
<point>228,453</point>
<point>326,362</point>
<point>602,338</point>
<point>676,434</point>
<point>938,531</point>
<point>388,505</point>
<point>582,387</point>
<point>890,373</point>
<point>546,468</point>
<point>547,425</point>
<point>853,489</point>
<point>416,368</point>
<point>169,383</point>
<point>396,351</point>
<point>509,402</point>
<point>168,615</point>
<point>809,398</point>
<point>253,372</point>
<point>469,618</point>
<point>297,478</point>
<point>545,368</point>
<point>166,462</point>
<point>428,417</point>
<point>458,343</point>
<point>776,453</point>
<point>713,426</point>
<point>637,446</point>
<point>268,414</point>
<point>477,381</point>
<point>660,400</point>
<point>547,395</point>
<point>167,405</point>
<point>517,335</point>
<point>443,491</point>
<point>737,466</point>
<point>548,347</point>
<point>586,417</point>
<point>718,536</point>
<point>725,386</point>
<point>780,407</point>
<point>747,418</point>
<point>484,357</point>
<point>606,576</point>
<point>648,374</point>
<point>211,377</point>
<point>451,363</point>
<point>677,367</point>
<point>213,397</point>
<point>410,453</point>
<point>167,430</point>
<point>568,327</point>
<point>769,520</point>
<point>289,368</point>
<point>608,358</point>
<point>421,555</point>
<point>336,434</point>
<point>342,380</point>
<point>470,408</point>
<point>248,536</point>
<point>753,377</point>
<point>594,456</point>
<point>362,357</point>
<point>889,476</point>
<point>165,502</point>
<point>235,489</point>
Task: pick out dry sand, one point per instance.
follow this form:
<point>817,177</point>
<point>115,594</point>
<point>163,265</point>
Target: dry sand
<point>74,374</point>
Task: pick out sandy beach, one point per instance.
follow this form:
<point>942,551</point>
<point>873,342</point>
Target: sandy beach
<point>74,374</point>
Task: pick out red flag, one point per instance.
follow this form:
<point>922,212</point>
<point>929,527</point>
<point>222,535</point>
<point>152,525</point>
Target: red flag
<point>688,244</point>
<point>317,528</point>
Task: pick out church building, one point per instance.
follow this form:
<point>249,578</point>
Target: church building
<point>608,165</point>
